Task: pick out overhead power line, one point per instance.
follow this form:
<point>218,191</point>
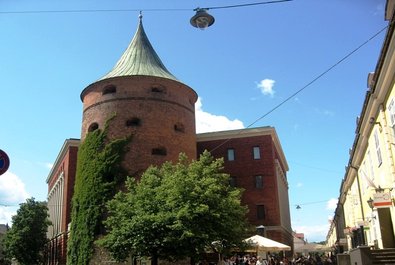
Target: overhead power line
<point>315,79</point>
<point>136,10</point>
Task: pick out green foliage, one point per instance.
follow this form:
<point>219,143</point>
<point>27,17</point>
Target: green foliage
<point>176,211</point>
<point>26,239</point>
<point>98,173</point>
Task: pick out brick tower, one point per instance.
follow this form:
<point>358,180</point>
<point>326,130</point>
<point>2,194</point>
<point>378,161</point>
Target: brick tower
<point>149,103</point>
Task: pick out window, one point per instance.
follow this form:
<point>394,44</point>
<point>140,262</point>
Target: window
<point>258,182</point>
<point>377,144</point>
<point>256,152</point>
<point>231,154</point>
<point>260,212</point>
<point>158,89</point>
<point>233,181</point>
<point>93,127</point>
<point>111,89</point>
<point>133,122</point>
<point>179,127</point>
<point>160,151</point>
<point>391,110</point>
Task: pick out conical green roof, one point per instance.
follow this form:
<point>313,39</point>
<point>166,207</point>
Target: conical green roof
<point>139,59</point>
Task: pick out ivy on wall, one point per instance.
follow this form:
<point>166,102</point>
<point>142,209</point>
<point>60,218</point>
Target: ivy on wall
<point>98,173</point>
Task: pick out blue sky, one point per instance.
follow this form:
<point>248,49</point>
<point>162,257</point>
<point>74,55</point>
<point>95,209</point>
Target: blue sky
<point>248,62</point>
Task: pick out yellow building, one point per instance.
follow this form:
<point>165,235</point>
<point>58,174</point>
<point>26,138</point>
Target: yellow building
<point>365,215</point>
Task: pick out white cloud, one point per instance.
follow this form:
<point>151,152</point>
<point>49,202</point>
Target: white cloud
<point>6,214</point>
<point>299,184</point>
<point>266,87</point>
<point>12,193</point>
<point>12,189</point>
<point>313,233</point>
<point>207,122</point>
<point>331,204</point>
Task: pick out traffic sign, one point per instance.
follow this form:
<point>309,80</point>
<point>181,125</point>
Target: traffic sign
<point>4,162</point>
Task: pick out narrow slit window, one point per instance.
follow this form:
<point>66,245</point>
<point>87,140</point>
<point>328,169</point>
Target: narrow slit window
<point>159,151</point>
<point>133,122</point>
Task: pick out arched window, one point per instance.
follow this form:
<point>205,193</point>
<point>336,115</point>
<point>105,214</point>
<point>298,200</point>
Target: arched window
<point>93,127</point>
<point>110,89</point>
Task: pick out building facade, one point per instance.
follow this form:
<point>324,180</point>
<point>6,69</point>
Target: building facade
<point>142,99</point>
<point>365,213</point>
<point>60,191</point>
<point>255,162</point>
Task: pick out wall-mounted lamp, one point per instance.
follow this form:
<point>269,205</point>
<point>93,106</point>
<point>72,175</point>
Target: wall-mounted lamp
<point>379,189</point>
<point>373,122</point>
<point>370,203</point>
<point>202,19</point>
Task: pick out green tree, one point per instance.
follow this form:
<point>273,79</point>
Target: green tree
<point>176,211</point>
<point>98,173</point>
<point>26,239</point>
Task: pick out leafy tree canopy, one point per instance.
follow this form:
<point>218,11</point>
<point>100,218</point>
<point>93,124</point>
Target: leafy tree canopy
<point>26,239</point>
<point>176,211</point>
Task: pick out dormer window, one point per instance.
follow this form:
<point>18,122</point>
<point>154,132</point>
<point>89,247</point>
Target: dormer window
<point>110,89</point>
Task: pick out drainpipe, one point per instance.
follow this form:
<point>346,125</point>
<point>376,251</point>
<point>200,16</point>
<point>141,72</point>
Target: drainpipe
<point>359,191</point>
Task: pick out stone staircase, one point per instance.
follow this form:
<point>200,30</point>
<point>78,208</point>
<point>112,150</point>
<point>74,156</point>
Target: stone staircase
<point>383,256</point>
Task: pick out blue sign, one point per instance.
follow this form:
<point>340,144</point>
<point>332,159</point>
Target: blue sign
<point>4,162</point>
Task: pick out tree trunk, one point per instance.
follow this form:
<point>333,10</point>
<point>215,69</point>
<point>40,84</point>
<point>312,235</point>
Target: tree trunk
<point>154,259</point>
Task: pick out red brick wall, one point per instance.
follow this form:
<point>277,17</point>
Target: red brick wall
<point>70,172</point>
<point>245,168</point>
<point>158,112</point>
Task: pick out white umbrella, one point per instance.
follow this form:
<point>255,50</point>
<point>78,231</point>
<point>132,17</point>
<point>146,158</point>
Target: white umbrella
<point>266,244</point>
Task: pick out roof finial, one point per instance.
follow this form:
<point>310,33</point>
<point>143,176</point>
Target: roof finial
<point>141,16</point>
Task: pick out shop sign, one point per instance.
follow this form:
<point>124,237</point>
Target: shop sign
<point>342,241</point>
<point>382,200</point>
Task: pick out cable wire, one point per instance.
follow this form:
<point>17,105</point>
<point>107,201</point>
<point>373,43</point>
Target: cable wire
<point>251,4</point>
<point>307,85</point>
<point>135,10</point>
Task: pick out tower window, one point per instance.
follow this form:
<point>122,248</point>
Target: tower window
<point>93,127</point>
<point>260,212</point>
<point>158,89</point>
<point>133,122</point>
<point>160,151</point>
<point>179,127</point>
<point>111,89</point>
